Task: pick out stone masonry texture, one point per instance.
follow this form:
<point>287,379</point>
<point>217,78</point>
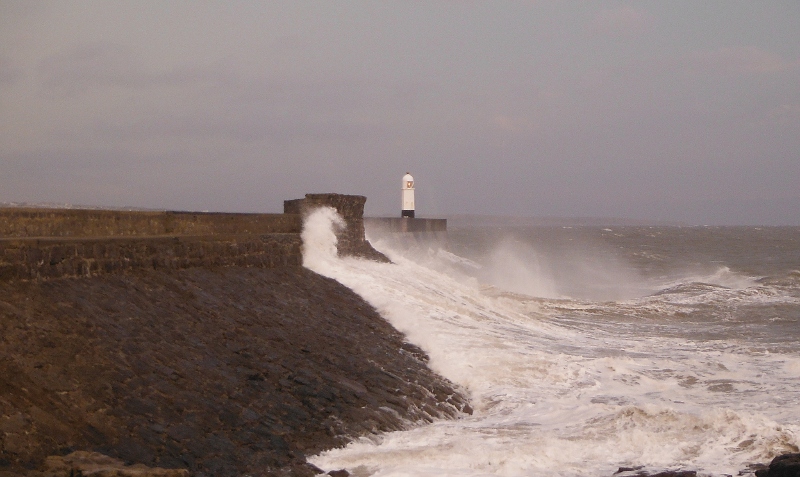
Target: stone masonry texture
<point>51,243</point>
<point>70,257</point>
<point>178,343</point>
<point>222,371</point>
<point>23,222</point>
<point>351,240</point>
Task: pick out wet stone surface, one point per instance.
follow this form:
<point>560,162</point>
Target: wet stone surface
<point>223,372</point>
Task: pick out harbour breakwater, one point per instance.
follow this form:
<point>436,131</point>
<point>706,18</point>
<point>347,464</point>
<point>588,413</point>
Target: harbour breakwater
<point>222,357</point>
<point>52,243</point>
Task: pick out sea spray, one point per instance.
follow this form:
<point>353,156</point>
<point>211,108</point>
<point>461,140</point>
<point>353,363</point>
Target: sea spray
<point>319,236</point>
<point>573,387</point>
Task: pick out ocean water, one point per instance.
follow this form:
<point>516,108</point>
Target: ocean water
<point>588,349</point>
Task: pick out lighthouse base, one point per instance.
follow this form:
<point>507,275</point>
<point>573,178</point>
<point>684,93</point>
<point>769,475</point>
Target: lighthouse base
<point>405,233</point>
<point>393,224</point>
<point>407,213</point>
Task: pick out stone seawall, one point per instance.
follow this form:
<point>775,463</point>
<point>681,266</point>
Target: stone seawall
<point>54,257</point>
<point>53,243</point>
<point>405,224</point>
<point>351,240</point>
<point>25,222</point>
<point>193,341</point>
<point>225,372</point>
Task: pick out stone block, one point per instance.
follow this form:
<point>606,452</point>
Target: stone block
<point>53,243</point>
<point>99,465</point>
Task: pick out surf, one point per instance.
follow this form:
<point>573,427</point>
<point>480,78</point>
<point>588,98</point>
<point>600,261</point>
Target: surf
<point>560,386</point>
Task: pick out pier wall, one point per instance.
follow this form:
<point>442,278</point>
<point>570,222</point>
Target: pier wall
<point>403,233</point>
<point>405,224</point>
<point>28,223</point>
<point>54,257</point>
<point>52,243</point>
<point>351,240</point>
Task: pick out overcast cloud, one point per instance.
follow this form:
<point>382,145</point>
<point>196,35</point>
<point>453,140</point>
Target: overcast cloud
<point>681,110</point>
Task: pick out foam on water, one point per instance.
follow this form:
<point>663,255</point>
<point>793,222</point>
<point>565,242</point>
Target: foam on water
<point>562,386</point>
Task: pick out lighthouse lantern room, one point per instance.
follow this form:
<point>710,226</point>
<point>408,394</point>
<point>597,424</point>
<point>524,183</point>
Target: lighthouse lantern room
<point>408,196</point>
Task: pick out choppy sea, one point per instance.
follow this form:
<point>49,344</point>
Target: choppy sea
<point>588,349</point>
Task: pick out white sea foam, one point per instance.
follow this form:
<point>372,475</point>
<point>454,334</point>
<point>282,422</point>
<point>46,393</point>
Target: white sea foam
<point>562,387</point>
<point>319,236</point>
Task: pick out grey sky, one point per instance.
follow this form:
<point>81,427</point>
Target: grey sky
<point>664,110</point>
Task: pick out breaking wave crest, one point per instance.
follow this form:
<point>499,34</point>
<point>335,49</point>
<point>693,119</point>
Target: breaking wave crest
<point>572,387</point>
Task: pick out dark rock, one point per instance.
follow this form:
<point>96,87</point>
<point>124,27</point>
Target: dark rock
<point>638,471</point>
<point>93,464</point>
<point>756,469</point>
<point>676,473</point>
<point>628,469</point>
<point>786,465</point>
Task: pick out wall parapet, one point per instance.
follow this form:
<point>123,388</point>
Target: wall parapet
<point>55,257</point>
<point>52,243</point>
<point>31,222</point>
<point>351,240</point>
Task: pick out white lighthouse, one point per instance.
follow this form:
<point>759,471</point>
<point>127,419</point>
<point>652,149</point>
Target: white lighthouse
<point>408,196</point>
